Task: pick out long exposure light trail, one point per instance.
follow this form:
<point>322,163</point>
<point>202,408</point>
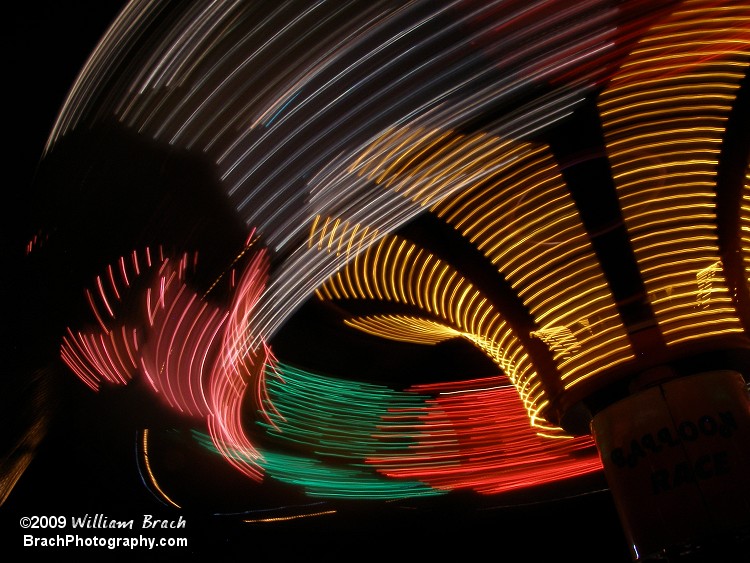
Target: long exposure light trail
<point>310,114</point>
<point>418,171</point>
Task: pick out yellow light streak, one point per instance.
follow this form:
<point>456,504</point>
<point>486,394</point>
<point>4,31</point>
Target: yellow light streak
<point>152,477</point>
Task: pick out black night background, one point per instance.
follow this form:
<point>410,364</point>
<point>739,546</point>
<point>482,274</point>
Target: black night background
<point>85,462</point>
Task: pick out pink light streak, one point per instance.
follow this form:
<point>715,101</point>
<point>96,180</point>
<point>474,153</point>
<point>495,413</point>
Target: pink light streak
<point>239,368</point>
<point>193,354</point>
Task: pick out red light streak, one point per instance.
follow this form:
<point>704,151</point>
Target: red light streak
<point>476,435</point>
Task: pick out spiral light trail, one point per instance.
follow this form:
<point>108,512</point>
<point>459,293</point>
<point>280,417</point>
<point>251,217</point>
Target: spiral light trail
<point>552,183</point>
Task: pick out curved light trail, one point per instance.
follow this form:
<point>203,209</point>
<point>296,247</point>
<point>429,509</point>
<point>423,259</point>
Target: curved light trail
<point>420,168</point>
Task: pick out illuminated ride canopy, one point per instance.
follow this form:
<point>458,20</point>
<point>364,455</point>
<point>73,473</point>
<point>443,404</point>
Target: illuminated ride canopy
<point>564,188</point>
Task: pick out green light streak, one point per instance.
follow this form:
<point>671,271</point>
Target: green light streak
<point>322,480</point>
<point>337,418</point>
<point>331,427</point>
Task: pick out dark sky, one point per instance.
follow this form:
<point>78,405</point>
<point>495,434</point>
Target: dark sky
<point>85,463</point>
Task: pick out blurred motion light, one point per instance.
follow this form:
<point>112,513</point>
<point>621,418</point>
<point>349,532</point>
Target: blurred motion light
<point>563,186</point>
